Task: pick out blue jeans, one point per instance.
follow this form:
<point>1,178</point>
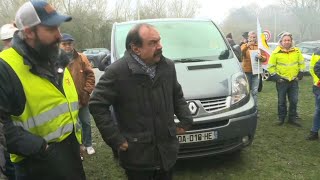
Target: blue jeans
<point>316,117</point>
<point>84,116</point>
<point>253,80</point>
<point>290,89</point>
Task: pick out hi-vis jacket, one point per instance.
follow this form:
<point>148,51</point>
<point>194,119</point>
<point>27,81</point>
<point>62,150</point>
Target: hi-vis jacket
<point>47,113</point>
<point>314,59</point>
<point>286,64</point>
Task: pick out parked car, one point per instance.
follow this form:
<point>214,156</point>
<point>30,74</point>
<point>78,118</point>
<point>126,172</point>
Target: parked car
<point>272,45</point>
<point>95,55</point>
<point>308,48</point>
<point>214,85</point>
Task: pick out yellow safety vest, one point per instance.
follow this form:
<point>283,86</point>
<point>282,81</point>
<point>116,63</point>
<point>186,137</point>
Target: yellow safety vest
<point>48,112</point>
<point>286,64</point>
<point>314,59</point>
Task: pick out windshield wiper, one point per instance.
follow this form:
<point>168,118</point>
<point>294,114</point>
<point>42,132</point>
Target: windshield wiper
<point>183,60</point>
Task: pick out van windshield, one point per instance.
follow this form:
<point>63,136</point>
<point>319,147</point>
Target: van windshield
<point>182,40</point>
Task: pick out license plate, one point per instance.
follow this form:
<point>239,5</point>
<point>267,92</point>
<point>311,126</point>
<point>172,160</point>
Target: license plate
<point>198,137</point>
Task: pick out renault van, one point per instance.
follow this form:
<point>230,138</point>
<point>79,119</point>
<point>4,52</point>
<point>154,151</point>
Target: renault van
<point>212,80</point>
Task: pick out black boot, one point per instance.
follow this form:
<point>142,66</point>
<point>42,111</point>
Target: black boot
<point>312,136</point>
<point>295,123</point>
<point>280,122</point>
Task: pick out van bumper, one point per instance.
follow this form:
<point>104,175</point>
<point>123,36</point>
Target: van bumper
<point>234,130</point>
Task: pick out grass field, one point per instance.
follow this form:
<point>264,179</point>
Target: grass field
<point>276,153</point>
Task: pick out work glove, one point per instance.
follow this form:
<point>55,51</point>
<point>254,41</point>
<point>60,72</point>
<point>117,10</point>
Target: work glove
<point>275,77</point>
<point>300,75</point>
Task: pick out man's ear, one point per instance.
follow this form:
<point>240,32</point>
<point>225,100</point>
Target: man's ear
<point>135,49</point>
<point>29,34</point>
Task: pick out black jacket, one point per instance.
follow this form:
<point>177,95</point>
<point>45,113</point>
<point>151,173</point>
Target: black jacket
<point>316,89</point>
<point>144,109</point>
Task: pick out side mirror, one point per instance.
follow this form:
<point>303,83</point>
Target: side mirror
<point>237,51</point>
<point>224,54</point>
<point>105,62</point>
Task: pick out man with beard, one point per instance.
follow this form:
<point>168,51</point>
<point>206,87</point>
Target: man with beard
<point>38,99</point>
<point>145,94</point>
<point>84,79</point>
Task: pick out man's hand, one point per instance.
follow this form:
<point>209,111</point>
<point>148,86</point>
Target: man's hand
<point>275,77</point>
<point>180,131</point>
<point>300,75</point>
<point>124,146</point>
<point>259,56</point>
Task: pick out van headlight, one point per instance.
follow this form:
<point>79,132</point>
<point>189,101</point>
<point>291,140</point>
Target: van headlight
<point>240,87</point>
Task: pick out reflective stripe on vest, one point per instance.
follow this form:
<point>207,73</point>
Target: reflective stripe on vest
<point>46,116</point>
<point>48,112</point>
<point>292,64</point>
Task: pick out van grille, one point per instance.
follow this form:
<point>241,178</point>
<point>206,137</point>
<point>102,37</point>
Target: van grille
<point>215,104</point>
<point>207,125</point>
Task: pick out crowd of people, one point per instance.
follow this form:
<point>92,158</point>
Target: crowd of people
<point>47,89</point>
<point>48,92</point>
<point>286,66</point>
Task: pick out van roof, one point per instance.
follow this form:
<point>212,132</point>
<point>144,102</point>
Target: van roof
<point>163,20</point>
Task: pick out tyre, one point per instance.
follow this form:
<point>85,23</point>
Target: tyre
<point>92,64</point>
<point>265,75</point>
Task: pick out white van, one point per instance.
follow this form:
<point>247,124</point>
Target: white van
<point>212,80</point>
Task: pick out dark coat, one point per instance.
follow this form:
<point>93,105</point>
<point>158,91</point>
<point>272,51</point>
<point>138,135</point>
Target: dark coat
<point>144,109</point>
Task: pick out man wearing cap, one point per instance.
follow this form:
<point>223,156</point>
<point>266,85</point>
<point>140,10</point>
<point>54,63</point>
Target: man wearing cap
<point>38,99</point>
<point>6,34</point>
<point>83,77</point>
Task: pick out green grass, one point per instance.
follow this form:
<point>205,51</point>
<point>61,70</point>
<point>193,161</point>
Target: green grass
<point>276,152</point>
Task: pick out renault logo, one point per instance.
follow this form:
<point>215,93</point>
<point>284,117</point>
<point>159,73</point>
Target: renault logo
<point>193,107</point>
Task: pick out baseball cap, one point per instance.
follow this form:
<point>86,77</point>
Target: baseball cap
<point>66,37</point>
<point>7,31</point>
<point>33,13</point>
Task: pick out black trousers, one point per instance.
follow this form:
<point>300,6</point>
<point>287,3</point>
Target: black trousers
<point>61,162</point>
<point>149,175</point>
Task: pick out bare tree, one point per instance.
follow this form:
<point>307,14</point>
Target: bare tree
<point>92,19</point>
<point>307,13</point>
<point>88,20</point>
<point>124,10</point>
<point>153,9</point>
<point>183,9</point>
<point>8,10</point>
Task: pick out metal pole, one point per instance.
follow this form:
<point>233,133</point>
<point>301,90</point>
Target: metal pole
<point>275,27</point>
<point>138,6</point>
